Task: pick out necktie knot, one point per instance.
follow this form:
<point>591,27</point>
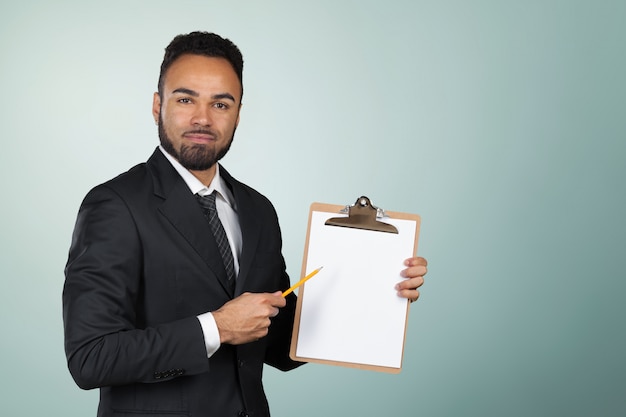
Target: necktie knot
<point>207,202</point>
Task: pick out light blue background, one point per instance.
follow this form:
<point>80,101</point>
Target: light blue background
<point>500,122</point>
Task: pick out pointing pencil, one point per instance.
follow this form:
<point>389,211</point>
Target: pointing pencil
<point>297,284</point>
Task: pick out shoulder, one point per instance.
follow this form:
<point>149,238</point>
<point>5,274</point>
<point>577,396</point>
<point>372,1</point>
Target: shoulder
<point>124,184</point>
<point>239,187</point>
<point>145,178</point>
<point>248,198</point>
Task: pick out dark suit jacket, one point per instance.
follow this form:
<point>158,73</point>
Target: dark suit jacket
<point>142,265</point>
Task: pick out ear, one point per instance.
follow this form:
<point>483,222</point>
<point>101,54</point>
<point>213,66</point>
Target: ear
<point>238,115</point>
<point>156,107</point>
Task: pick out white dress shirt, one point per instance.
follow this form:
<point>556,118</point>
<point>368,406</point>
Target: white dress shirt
<point>227,212</point>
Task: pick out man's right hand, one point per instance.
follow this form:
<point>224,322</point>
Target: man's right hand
<point>247,317</point>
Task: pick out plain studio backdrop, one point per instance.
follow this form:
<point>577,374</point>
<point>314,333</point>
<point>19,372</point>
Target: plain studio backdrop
<point>500,122</point>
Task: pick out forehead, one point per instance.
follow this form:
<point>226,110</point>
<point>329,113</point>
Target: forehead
<point>200,72</point>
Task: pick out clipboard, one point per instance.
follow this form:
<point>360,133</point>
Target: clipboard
<point>349,314</point>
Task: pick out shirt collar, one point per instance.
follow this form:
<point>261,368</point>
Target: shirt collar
<point>194,184</point>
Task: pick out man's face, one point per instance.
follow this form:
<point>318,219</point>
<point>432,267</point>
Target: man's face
<point>199,110</point>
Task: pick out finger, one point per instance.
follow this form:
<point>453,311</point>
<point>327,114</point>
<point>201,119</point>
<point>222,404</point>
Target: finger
<point>277,300</point>
<point>416,261</point>
<point>411,295</point>
<point>410,284</point>
<point>414,271</point>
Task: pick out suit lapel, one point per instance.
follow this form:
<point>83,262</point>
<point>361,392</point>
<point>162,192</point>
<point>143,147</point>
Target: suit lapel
<point>249,223</point>
<point>184,213</point>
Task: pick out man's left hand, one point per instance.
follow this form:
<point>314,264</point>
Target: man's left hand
<point>414,274</point>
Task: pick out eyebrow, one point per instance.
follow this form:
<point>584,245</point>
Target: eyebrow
<point>219,96</point>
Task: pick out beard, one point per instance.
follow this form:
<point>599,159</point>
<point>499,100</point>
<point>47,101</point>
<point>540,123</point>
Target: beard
<point>194,157</point>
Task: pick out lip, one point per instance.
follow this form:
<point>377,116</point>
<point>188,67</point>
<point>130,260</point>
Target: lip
<point>199,137</point>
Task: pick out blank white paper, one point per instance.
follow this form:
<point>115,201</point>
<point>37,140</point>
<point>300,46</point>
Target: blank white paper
<point>350,310</point>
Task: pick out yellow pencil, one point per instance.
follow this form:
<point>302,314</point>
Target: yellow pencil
<point>297,284</point>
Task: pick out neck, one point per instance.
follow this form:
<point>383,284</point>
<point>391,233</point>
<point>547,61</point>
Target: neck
<point>205,176</point>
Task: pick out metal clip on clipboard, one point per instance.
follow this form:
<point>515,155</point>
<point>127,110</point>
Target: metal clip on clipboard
<point>362,215</point>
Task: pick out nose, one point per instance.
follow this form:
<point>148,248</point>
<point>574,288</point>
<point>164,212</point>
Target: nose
<point>202,115</point>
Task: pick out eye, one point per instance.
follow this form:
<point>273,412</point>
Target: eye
<point>221,106</point>
<point>184,100</point>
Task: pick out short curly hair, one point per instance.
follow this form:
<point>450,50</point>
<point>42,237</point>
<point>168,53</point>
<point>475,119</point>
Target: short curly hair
<point>201,43</point>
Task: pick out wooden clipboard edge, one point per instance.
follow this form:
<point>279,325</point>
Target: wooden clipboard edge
<point>334,209</point>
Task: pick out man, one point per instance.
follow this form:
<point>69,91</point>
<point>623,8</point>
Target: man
<point>168,310</point>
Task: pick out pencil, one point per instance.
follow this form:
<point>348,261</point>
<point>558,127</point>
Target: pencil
<point>297,284</point>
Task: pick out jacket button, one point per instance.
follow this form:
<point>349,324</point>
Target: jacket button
<point>243,414</point>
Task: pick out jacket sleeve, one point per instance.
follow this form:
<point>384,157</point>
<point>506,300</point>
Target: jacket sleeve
<point>280,333</point>
<point>279,343</point>
<point>104,343</point>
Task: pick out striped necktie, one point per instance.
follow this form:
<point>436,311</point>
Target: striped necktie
<point>207,203</point>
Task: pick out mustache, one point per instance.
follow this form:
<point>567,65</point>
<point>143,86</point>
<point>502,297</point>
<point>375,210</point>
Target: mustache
<point>201,132</point>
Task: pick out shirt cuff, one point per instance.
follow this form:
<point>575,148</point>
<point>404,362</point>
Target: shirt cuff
<point>211,333</point>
